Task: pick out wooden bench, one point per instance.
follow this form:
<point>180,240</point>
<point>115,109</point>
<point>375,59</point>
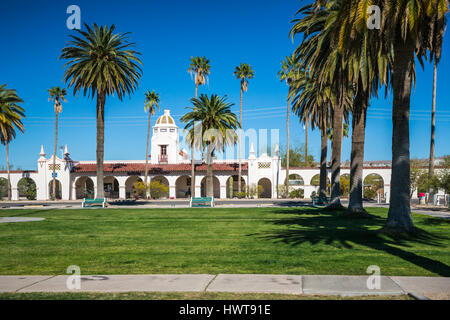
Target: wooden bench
<point>316,200</point>
<point>93,202</point>
<point>202,202</point>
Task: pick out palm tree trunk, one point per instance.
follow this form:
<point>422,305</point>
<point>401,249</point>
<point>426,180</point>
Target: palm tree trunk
<point>7,169</point>
<point>323,159</point>
<point>355,206</point>
<point>192,155</point>
<point>240,136</point>
<point>306,142</point>
<point>433,128</point>
<point>146,153</point>
<point>54,155</point>
<point>399,214</point>
<point>100,142</point>
<point>336,143</point>
<point>287,142</point>
<point>209,173</point>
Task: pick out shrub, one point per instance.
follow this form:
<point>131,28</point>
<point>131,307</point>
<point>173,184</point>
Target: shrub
<point>370,193</point>
<point>240,195</point>
<point>297,194</point>
<point>139,190</point>
<point>254,190</point>
<point>157,189</point>
<point>27,188</point>
<point>284,191</point>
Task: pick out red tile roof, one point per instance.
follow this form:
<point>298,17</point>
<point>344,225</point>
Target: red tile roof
<point>155,168</point>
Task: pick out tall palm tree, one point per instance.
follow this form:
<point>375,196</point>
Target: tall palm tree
<point>409,30</point>
<point>200,68</point>
<point>243,72</point>
<point>151,104</point>
<point>433,124</point>
<point>329,66</point>
<point>313,103</point>
<point>101,63</point>
<point>56,95</point>
<point>217,127</point>
<point>289,72</point>
<point>436,42</point>
<point>11,115</point>
<point>368,69</point>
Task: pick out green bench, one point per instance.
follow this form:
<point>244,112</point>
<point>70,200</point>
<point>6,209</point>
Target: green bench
<point>93,202</point>
<point>202,202</point>
<point>316,200</point>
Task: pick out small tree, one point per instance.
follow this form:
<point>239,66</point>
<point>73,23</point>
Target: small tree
<point>284,191</point>
<point>139,190</point>
<point>157,189</point>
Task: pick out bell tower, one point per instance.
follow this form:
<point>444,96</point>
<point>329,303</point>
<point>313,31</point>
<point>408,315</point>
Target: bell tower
<point>165,147</point>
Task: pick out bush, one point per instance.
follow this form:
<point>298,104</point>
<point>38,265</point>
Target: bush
<point>240,195</point>
<point>158,190</point>
<point>27,188</point>
<point>254,191</point>
<point>283,191</point>
<point>370,193</point>
<point>297,194</point>
<point>139,190</point>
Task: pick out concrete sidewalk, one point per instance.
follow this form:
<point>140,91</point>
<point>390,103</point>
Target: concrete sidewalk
<point>252,283</point>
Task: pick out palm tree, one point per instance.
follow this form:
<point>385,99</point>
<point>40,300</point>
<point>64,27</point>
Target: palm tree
<point>200,68</point>
<point>242,72</point>
<point>101,63</point>
<point>329,66</point>
<point>56,95</point>
<point>362,50</point>
<point>217,128</point>
<point>409,30</point>
<point>433,124</point>
<point>151,104</point>
<point>313,103</point>
<point>289,72</point>
<point>437,38</point>
<point>11,115</point>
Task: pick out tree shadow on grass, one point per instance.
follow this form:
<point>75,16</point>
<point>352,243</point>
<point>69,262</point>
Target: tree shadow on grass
<point>317,226</point>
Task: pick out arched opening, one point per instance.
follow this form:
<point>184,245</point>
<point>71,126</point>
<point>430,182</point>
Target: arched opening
<point>373,185</point>
<point>295,187</point>
<point>111,186</point>
<point>315,181</point>
<point>344,183</point>
<point>232,186</point>
<point>130,191</point>
<point>27,189</point>
<point>84,188</point>
<point>295,180</point>
<point>57,189</point>
<point>216,187</point>
<point>159,187</point>
<point>183,187</point>
<point>267,188</point>
<point>3,188</point>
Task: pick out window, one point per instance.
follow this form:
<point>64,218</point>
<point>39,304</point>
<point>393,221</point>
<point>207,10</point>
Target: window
<point>172,130</point>
<point>163,150</point>
<point>163,130</point>
<point>155,130</point>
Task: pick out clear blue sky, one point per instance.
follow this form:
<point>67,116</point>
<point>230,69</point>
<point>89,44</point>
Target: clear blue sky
<point>168,33</point>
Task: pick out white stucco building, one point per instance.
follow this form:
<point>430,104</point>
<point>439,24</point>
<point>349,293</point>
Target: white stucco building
<point>172,166</point>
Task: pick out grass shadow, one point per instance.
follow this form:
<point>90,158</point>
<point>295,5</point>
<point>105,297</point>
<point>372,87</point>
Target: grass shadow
<point>316,226</point>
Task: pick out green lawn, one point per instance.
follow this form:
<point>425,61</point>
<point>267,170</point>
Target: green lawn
<point>253,240</point>
<point>183,296</point>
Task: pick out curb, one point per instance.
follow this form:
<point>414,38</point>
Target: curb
<point>417,296</point>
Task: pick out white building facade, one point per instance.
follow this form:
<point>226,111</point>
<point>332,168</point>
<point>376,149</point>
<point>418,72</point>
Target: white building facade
<point>172,167</point>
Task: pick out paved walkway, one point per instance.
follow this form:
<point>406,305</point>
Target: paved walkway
<point>258,283</point>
